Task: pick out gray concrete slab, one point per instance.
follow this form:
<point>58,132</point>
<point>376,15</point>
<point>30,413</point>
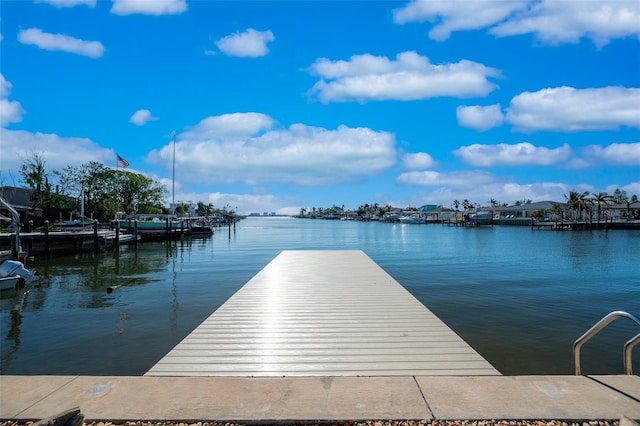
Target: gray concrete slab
<point>20,392</point>
<point>310,399</point>
<point>223,399</point>
<point>629,385</point>
<point>528,397</point>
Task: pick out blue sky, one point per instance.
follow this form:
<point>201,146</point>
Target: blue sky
<point>289,104</point>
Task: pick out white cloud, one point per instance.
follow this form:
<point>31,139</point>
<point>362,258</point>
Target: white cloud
<point>408,77</point>
<point>456,15</point>
<point>247,203</point>
<point>520,154</point>
<point>551,21</point>
<point>141,117</point>
<point>418,161</point>
<point>5,87</point>
<point>632,188</point>
<point>480,118</point>
<point>567,109</point>
<point>459,179</point>
<point>480,187</point>
<point>236,125</point>
<point>68,3</point>
<point>58,152</point>
<point>10,111</point>
<point>249,44</point>
<point>617,154</point>
<point>557,22</point>
<point>246,148</point>
<point>527,154</point>
<point>61,42</point>
<point>149,7</point>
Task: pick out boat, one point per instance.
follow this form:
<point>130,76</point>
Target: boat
<point>13,275</point>
<point>148,222</point>
<point>391,217</point>
<point>198,225</point>
<point>414,218</point>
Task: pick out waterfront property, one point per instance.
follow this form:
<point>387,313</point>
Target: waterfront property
<point>322,313</point>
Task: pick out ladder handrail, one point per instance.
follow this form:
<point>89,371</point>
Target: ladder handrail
<point>597,327</point>
<point>628,347</point>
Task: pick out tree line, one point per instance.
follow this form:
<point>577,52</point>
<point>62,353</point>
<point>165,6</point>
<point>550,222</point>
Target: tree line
<point>578,205</point>
<point>586,203</point>
<point>103,190</point>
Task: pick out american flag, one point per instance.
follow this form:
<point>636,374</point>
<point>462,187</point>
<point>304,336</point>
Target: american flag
<point>122,162</point>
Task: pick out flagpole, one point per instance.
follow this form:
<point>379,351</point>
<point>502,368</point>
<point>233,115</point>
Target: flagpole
<point>173,178</point>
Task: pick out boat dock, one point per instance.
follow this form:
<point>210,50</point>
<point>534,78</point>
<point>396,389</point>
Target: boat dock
<point>322,313</point>
<point>323,337</point>
<point>35,243</point>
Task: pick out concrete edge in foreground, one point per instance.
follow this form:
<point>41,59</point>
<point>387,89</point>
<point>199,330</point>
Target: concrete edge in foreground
<point>328,399</point>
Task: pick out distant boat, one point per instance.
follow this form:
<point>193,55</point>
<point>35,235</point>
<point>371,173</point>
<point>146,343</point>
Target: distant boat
<point>200,225</point>
<point>414,218</point>
<point>148,222</point>
<point>13,275</point>
<point>391,217</point>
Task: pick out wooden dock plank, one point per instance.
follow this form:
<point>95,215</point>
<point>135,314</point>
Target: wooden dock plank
<point>322,313</point>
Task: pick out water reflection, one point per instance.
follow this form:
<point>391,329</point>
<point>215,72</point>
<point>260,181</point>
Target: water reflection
<point>519,297</point>
<point>85,301</point>
<point>16,300</point>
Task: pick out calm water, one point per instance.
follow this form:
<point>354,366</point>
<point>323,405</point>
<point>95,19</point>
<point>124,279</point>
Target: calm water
<point>519,297</point>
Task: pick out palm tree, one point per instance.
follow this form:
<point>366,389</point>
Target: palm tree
<point>620,197</point>
<point>576,201</point>
<point>456,204</point>
<point>558,210</point>
<point>599,200</point>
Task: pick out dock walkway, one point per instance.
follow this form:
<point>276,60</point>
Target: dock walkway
<point>322,313</point>
<point>332,316</point>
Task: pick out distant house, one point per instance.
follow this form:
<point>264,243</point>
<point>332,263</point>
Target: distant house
<point>439,213</point>
<point>527,210</point>
<point>20,200</point>
<point>623,211</point>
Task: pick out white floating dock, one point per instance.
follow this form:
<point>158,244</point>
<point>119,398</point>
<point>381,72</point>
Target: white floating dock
<point>322,313</point>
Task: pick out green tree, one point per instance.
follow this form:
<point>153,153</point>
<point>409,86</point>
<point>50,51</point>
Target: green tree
<point>106,191</point>
<point>539,214</point>
<point>620,197</point>
<point>601,199</point>
<point>182,209</point>
<point>33,171</point>
<point>577,202</point>
<point>34,174</point>
<point>558,210</point>
<point>204,209</point>
<point>139,194</point>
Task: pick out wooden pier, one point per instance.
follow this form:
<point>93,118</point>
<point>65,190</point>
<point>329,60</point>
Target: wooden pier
<point>322,313</point>
<point>74,241</point>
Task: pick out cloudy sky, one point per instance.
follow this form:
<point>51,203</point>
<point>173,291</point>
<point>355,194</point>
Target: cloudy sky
<point>280,105</point>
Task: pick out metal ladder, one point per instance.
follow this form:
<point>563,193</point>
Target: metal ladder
<point>605,321</point>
